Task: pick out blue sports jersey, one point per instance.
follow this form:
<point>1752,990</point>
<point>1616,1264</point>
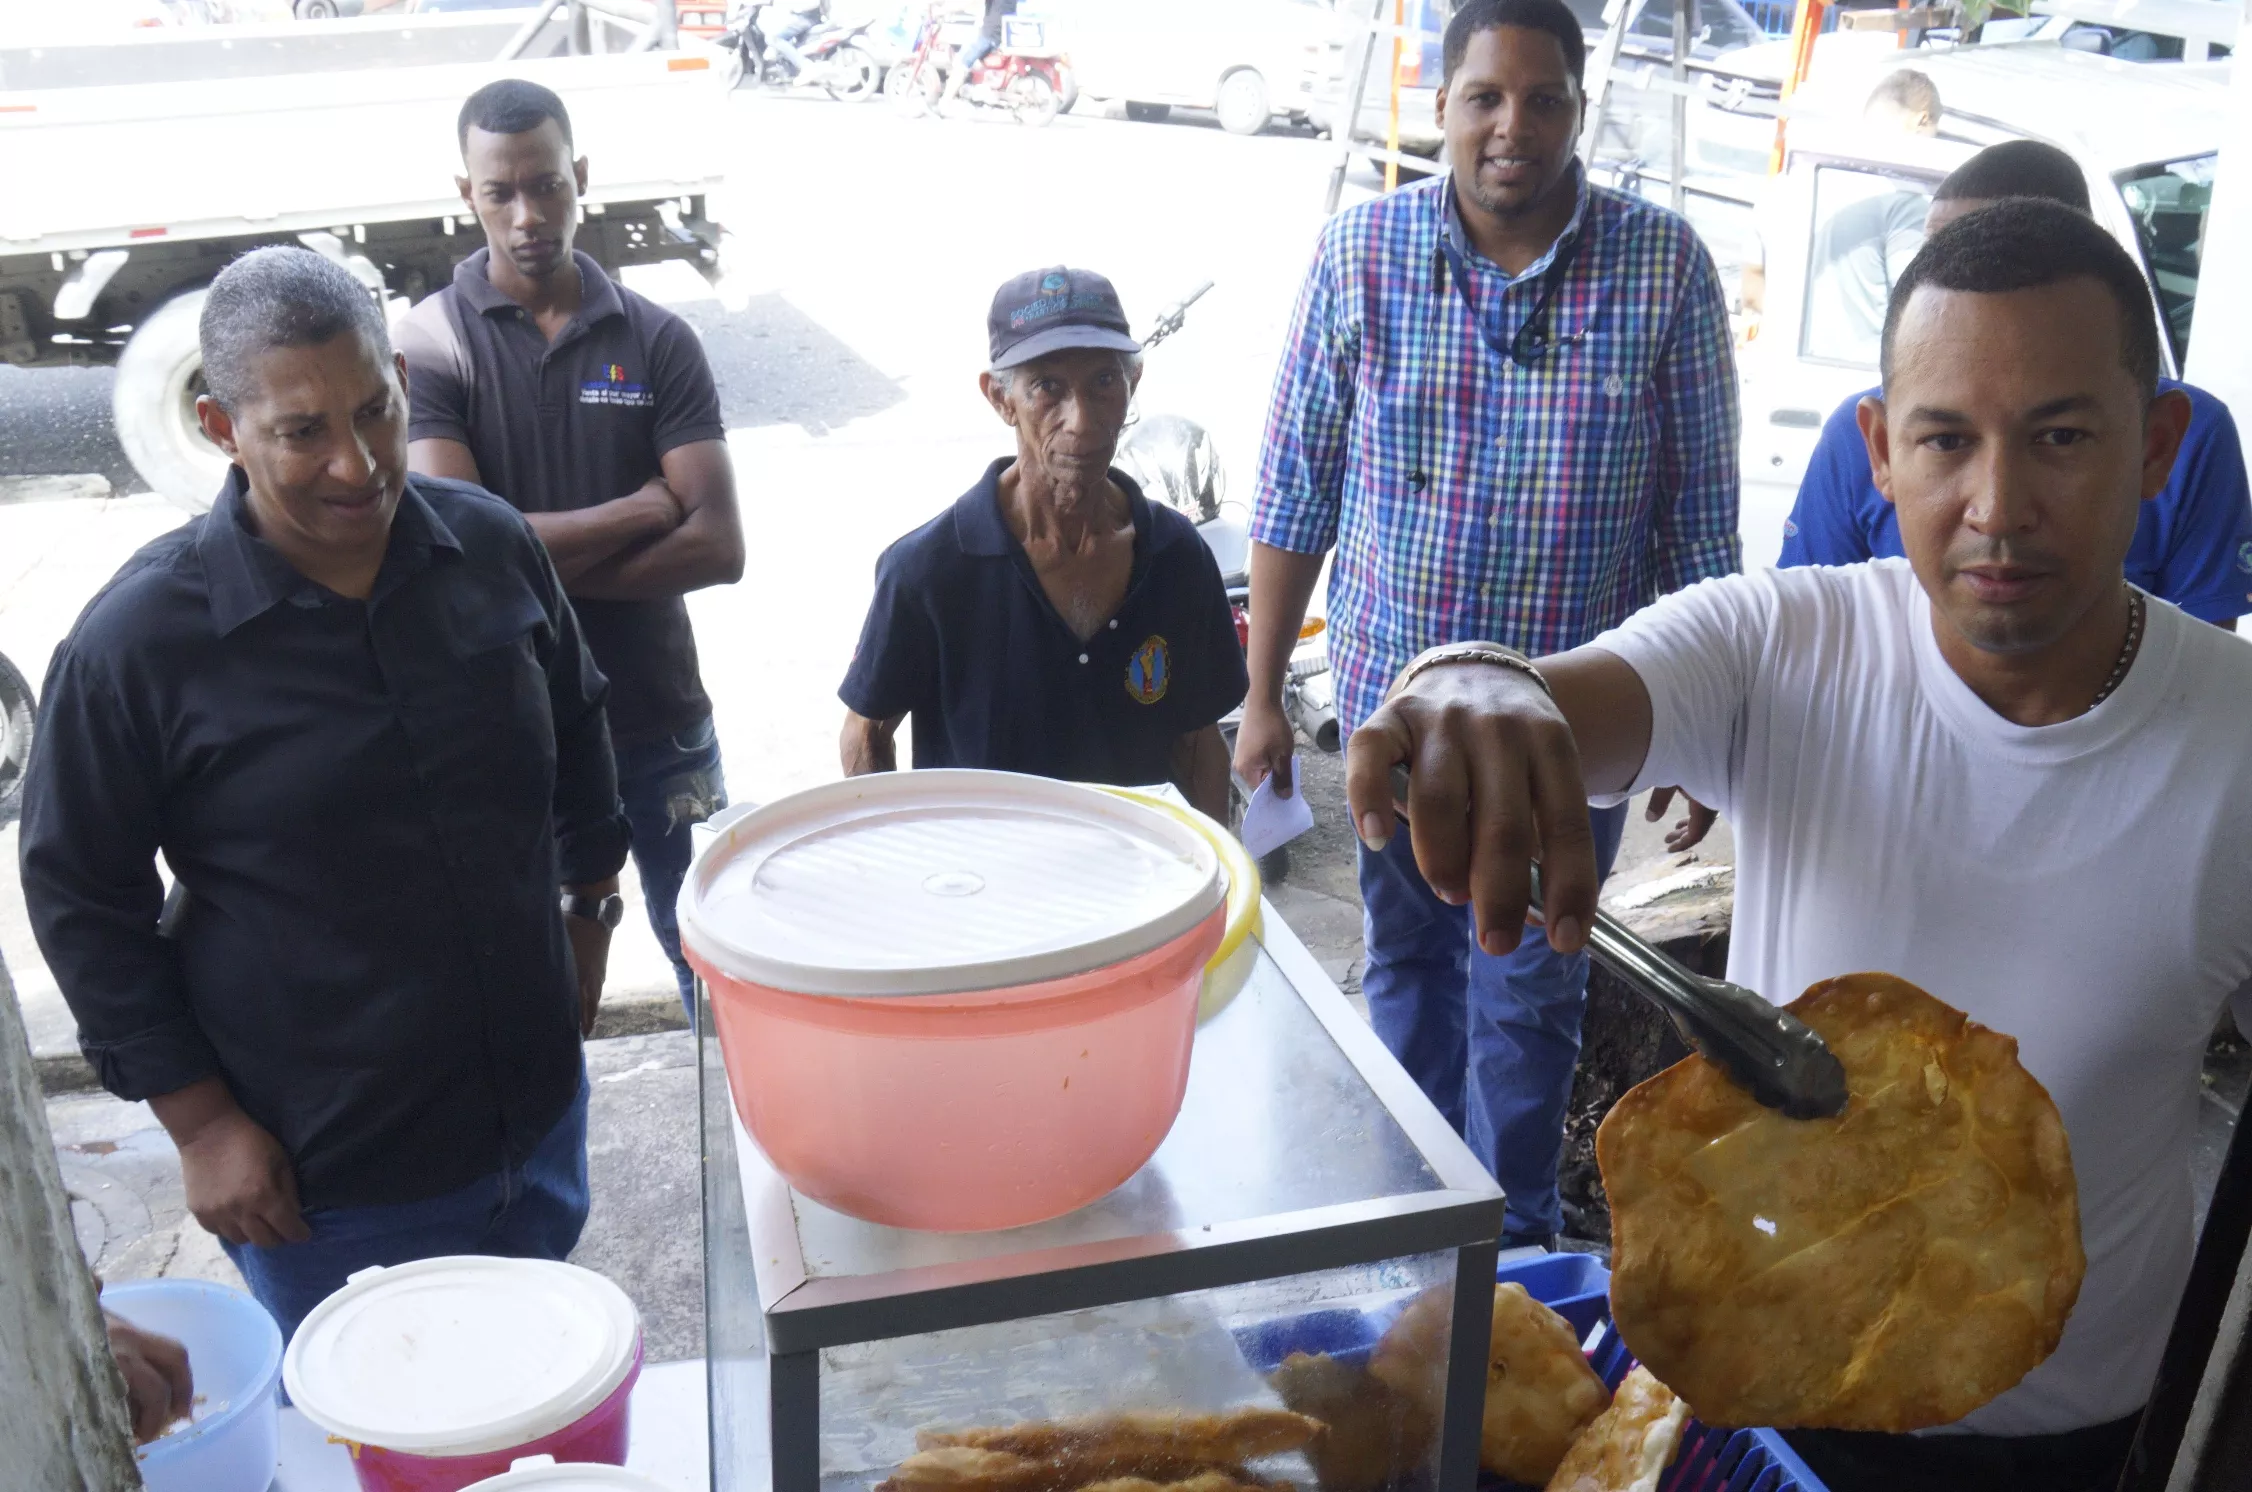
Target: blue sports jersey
<point>2193,544</point>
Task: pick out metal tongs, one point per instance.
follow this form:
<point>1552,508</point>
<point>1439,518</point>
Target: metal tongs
<point>1768,1052</point>
<point>1765,1050</point>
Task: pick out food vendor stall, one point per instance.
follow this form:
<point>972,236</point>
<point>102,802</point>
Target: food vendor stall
<point>1306,1174</point>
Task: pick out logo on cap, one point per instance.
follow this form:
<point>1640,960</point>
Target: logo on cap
<point>1149,673</point>
<point>1050,284</point>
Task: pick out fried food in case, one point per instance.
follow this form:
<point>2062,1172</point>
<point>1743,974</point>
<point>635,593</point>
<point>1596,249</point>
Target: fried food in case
<point>1540,1390</point>
<point>1892,1268</point>
<point>1629,1445</point>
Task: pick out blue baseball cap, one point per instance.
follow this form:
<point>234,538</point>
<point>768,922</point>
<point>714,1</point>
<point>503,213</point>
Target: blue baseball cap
<point>1053,310</point>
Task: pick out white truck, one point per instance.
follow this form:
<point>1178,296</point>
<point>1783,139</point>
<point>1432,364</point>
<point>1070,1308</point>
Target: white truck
<point>1846,214</point>
<point>134,166</point>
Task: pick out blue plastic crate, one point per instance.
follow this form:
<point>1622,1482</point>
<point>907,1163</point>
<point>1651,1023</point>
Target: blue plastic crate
<point>1578,1288</point>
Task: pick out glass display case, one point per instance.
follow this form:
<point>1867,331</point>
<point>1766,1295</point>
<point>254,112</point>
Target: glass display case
<point>1307,1193</point>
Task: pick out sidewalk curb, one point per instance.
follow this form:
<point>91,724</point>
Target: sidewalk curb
<point>628,1015</point>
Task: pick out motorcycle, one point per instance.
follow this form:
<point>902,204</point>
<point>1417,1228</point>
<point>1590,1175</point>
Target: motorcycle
<point>837,59</point>
<point>1021,76</point>
<point>16,714</point>
<point>1176,463</point>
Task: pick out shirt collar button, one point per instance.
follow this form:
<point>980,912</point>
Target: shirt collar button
<point>1082,657</point>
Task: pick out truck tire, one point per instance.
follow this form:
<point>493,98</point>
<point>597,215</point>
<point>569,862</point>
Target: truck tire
<point>153,402</point>
<point>1242,104</point>
<point>16,716</point>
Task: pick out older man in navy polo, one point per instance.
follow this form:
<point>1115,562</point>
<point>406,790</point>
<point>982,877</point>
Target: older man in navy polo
<point>1053,620</point>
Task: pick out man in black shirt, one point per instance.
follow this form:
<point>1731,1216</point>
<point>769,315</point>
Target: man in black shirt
<point>353,712</point>
<point>592,410</point>
<point>1054,620</point>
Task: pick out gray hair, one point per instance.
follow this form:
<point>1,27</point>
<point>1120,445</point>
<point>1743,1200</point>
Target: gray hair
<point>1005,379</point>
<point>279,297</point>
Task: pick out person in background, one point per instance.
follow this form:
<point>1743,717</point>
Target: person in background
<point>997,13</point>
<point>2193,541</point>
<point>1904,100</point>
<point>592,410</point>
<point>1993,767</point>
<point>1053,620</point>
<point>351,709</point>
<point>1509,403</point>
<point>1861,248</point>
<point>788,22</point>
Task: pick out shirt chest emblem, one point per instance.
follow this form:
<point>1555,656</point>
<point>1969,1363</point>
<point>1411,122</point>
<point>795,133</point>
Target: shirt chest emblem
<point>613,387</point>
<point>1149,673</point>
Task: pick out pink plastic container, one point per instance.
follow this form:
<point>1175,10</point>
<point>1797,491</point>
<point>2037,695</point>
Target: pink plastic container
<point>601,1436</point>
<point>444,1372</point>
<point>963,1112</point>
<point>952,1000</point>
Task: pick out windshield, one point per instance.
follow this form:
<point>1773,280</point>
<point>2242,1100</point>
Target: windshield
<point>2168,203</point>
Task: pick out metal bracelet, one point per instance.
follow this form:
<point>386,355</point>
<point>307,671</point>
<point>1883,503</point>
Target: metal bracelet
<point>1471,652</point>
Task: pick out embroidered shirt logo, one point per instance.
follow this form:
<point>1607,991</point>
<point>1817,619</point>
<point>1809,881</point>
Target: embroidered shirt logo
<point>614,388</point>
<point>1149,673</point>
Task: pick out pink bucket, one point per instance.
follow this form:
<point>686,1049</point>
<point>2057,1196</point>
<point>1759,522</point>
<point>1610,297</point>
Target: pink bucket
<point>442,1373</point>
<point>600,1436</point>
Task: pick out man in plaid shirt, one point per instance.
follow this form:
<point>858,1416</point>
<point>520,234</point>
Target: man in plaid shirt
<point>1509,404</point>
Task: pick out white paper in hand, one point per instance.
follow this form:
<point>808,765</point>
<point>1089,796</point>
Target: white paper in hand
<point>1271,820</point>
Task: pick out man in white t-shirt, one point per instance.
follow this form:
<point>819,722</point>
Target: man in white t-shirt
<point>1993,768</point>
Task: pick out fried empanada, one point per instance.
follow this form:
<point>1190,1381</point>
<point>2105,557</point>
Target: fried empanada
<point>1630,1444</point>
<point>1539,1389</point>
<point>1891,1268</point>
<point>1210,1481</point>
<point>1377,1437</point>
<point>968,1468</point>
<point>1207,1439</point>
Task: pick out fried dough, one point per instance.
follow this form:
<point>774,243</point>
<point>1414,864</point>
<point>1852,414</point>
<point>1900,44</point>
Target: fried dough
<point>1210,1481</point>
<point>1539,1389</point>
<point>1630,1444</point>
<point>1891,1268</point>
<point>1206,1439</point>
<point>1377,1437</point>
<point>965,1468</point>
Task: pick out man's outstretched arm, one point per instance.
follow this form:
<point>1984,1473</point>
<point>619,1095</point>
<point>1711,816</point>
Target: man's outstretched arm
<point>1499,775</point>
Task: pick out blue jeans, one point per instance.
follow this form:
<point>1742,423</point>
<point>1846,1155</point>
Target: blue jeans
<point>531,1211</point>
<point>1492,1041</point>
<point>667,785</point>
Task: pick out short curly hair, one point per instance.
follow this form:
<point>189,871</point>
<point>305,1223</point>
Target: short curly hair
<point>1551,16</point>
<point>2026,243</point>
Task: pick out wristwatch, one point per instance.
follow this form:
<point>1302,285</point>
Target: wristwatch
<point>608,910</point>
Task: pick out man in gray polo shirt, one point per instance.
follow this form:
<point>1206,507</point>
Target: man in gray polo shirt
<point>592,410</point>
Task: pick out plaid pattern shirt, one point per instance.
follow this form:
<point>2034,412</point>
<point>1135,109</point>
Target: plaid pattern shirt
<point>1469,497</point>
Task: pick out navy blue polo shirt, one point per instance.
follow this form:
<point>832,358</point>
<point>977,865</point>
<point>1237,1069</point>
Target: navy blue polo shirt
<point>962,639</point>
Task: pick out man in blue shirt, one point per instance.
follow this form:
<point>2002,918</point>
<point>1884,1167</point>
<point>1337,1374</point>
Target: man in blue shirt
<point>2193,544</point>
<point>1053,620</point>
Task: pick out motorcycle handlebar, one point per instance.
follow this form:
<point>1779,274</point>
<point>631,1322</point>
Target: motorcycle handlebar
<point>1169,320</point>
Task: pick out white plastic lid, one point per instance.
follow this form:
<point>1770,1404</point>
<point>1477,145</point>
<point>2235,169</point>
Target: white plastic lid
<point>543,1474</point>
<point>926,883</point>
<point>460,1356</point>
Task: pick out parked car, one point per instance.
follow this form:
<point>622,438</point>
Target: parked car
<point>1250,61</point>
<point>2146,138</point>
